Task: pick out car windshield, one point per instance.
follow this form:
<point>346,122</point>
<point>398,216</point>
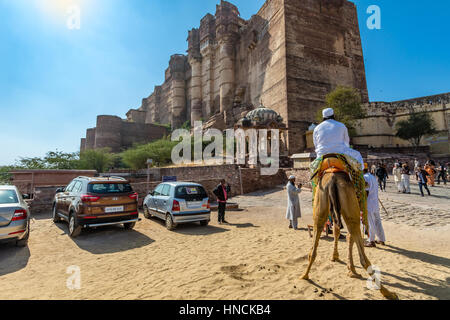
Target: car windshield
<point>8,196</point>
<point>183,191</point>
<point>104,188</point>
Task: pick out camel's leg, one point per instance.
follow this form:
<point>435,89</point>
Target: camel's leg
<point>313,254</point>
<point>366,263</point>
<point>337,234</point>
<point>351,265</point>
<point>319,221</point>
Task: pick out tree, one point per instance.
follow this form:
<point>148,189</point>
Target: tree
<point>347,106</point>
<point>159,151</point>
<point>5,176</point>
<point>99,159</point>
<point>415,128</point>
<point>52,160</point>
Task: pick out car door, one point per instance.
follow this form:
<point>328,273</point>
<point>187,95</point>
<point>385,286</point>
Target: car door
<point>156,199</point>
<point>73,194</point>
<point>164,200</point>
<point>63,202</point>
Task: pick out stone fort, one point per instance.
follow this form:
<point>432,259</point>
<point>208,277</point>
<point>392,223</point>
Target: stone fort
<point>288,57</point>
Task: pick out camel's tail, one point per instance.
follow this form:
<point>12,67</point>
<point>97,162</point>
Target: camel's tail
<point>335,205</point>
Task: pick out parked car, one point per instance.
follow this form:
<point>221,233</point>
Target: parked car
<point>95,202</point>
<point>14,216</point>
<point>177,203</point>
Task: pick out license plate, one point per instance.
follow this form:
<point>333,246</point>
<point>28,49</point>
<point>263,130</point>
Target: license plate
<point>196,204</point>
<point>113,209</point>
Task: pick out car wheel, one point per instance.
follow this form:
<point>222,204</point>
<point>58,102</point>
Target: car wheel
<point>129,226</point>
<point>74,228</point>
<point>169,223</point>
<point>24,242</point>
<point>147,213</point>
<point>204,223</point>
<point>55,216</point>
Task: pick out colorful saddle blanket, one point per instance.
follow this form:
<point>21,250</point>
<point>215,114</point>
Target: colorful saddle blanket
<point>339,163</point>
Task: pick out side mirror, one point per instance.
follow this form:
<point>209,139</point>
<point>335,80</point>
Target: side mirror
<point>26,196</point>
<point>152,193</point>
<point>59,190</point>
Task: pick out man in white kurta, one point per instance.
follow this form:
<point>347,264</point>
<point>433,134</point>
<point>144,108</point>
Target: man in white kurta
<point>373,211</point>
<point>397,173</point>
<point>293,211</point>
<point>331,136</point>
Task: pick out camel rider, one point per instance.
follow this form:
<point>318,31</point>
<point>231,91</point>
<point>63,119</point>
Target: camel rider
<point>331,137</point>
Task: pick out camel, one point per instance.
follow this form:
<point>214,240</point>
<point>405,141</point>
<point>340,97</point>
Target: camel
<point>336,194</point>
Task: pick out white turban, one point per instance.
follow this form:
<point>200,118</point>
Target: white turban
<point>291,177</point>
<point>328,113</point>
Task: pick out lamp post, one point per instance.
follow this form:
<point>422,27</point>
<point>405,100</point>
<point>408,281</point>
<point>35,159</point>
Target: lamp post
<point>149,164</point>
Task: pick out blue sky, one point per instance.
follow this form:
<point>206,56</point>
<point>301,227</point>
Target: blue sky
<point>55,81</point>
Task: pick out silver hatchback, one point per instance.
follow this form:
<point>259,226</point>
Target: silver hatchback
<point>177,203</point>
<point>14,216</point>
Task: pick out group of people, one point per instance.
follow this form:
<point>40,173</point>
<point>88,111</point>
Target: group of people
<point>425,175</point>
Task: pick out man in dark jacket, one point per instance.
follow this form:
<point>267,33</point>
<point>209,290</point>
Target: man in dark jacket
<point>222,192</point>
<point>423,182</point>
<point>442,173</point>
<point>382,175</point>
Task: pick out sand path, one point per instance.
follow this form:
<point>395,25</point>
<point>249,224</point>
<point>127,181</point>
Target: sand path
<point>256,257</point>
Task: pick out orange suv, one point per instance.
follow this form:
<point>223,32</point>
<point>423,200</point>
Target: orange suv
<point>95,202</point>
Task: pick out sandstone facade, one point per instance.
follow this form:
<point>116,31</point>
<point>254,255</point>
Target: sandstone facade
<point>379,127</point>
<point>288,56</point>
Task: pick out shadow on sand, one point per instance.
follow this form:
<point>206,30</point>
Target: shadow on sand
<point>421,283</point>
<point>192,229</point>
<point>106,240</point>
<point>12,258</point>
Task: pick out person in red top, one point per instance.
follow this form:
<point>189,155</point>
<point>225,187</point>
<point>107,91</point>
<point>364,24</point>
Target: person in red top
<point>221,192</point>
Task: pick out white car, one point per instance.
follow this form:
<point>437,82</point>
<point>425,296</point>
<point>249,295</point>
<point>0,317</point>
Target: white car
<point>14,216</point>
<point>178,202</point>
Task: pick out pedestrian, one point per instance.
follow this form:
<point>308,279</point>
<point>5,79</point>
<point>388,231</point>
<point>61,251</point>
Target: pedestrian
<point>397,173</point>
<point>423,181</point>
<point>442,173</point>
<point>373,170</point>
<point>416,168</point>
<point>222,192</point>
<point>430,168</point>
<point>293,211</point>
<point>382,175</point>
<point>373,212</point>
<point>406,179</point>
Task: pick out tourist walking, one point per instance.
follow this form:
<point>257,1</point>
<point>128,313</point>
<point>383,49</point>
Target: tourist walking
<point>293,211</point>
<point>397,173</point>
<point>373,211</point>
<point>442,173</point>
<point>382,176</point>
<point>423,182</point>
<point>406,179</point>
<point>221,192</point>
<point>417,168</point>
<point>430,168</point>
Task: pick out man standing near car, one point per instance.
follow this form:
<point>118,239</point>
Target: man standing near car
<point>222,192</point>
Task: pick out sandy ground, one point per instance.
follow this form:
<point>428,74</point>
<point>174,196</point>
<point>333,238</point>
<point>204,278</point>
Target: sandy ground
<point>255,257</point>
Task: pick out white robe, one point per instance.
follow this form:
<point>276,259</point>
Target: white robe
<point>373,210</point>
<point>293,204</point>
<point>332,136</point>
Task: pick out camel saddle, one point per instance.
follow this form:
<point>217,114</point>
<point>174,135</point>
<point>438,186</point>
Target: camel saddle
<point>332,164</point>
